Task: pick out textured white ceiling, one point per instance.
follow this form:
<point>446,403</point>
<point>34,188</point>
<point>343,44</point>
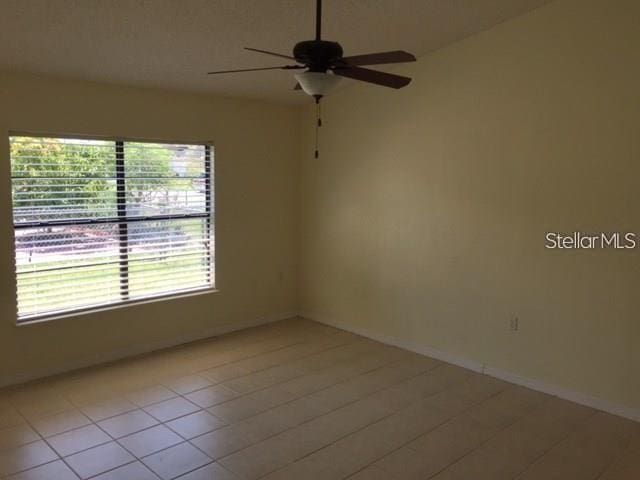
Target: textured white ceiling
<point>173,43</point>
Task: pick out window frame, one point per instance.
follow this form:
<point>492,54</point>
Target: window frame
<point>122,221</point>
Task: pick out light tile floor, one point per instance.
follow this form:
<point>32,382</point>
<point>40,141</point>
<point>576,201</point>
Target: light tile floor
<point>300,400</point>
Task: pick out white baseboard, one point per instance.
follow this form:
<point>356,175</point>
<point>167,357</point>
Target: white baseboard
<point>571,395</point>
<point>140,349</point>
<point>538,385</point>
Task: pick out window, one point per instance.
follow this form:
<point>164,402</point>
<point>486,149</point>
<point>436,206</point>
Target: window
<point>101,222</point>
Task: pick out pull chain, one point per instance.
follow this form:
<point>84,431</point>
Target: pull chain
<point>318,125</point>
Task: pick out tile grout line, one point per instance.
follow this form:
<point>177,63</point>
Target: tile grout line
<point>159,381</point>
<point>366,352</point>
<point>264,411</point>
<point>495,434</point>
<point>276,384</point>
<point>184,473</point>
<point>49,386</point>
<point>417,401</point>
<point>540,457</point>
<point>621,454</point>
<point>200,409</point>
<point>187,361</point>
<point>60,457</point>
<point>449,420</point>
<point>266,352</point>
<point>187,441</point>
<point>334,347</point>
<point>164,423</point>
<point>568,434</point>
<point>177,394</point>
<point>50,382</point>
<point>95,423</point>
<point>370,394</point>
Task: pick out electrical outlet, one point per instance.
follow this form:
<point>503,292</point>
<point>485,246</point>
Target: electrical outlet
<point>514,324</point>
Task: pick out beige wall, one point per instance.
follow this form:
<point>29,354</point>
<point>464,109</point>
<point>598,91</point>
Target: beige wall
<point>255,163</point>
<point>424,219</point>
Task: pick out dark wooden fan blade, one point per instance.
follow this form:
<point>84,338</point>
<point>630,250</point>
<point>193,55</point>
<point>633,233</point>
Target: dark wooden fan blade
<point>269,53</point>
<point>284,67</point>
<point>373,76</point>
<point>396,56</point>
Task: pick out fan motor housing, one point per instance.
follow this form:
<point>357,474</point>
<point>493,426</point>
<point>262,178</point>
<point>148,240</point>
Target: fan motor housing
<point>317,55</point>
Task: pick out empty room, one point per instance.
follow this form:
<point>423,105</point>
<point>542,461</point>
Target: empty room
<point>320,240</point>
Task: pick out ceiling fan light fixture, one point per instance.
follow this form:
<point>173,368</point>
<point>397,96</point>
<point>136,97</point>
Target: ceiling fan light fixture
<point>317,84</point>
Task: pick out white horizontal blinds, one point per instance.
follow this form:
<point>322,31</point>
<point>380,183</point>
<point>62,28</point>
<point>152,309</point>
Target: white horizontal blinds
<point>58,179</point>
<point>167,255</point>
<point>102,222</point>
<point>165,179</point>
<point>62,264</point>
<point>65,267</point>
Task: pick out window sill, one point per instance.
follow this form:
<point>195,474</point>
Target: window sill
<point>116,306</point>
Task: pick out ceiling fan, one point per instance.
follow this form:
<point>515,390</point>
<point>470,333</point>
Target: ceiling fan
<point>323,64</point>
